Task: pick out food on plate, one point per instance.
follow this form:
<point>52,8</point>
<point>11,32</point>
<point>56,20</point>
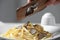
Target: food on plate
<point>28,31</point>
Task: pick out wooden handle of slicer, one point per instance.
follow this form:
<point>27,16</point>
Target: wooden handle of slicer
<point>21,12</point>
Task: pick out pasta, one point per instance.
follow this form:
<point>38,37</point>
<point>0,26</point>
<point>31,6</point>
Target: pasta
<point>27,32</point>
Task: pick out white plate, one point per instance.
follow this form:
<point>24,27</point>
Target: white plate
<point>52,29</point>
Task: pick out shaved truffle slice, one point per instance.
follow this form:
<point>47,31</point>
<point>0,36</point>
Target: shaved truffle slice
<point>38,28</point>
<point>47,34</point>
<point>28,25</point>
<point>41,35</point>
<point>33,31</point>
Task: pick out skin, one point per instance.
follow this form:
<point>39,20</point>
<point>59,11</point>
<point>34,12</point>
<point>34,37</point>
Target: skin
<point>50,2</point>
<point>21,12</point>
<point>29,1</point>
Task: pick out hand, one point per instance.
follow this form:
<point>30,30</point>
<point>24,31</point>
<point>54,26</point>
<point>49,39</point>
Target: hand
<point>52,2</point>
<point>29,1</point>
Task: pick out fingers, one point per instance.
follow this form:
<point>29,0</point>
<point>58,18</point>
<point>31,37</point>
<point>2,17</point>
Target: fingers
<point>57,2</point>
<point>50,2</point>
<point>29,1</point>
